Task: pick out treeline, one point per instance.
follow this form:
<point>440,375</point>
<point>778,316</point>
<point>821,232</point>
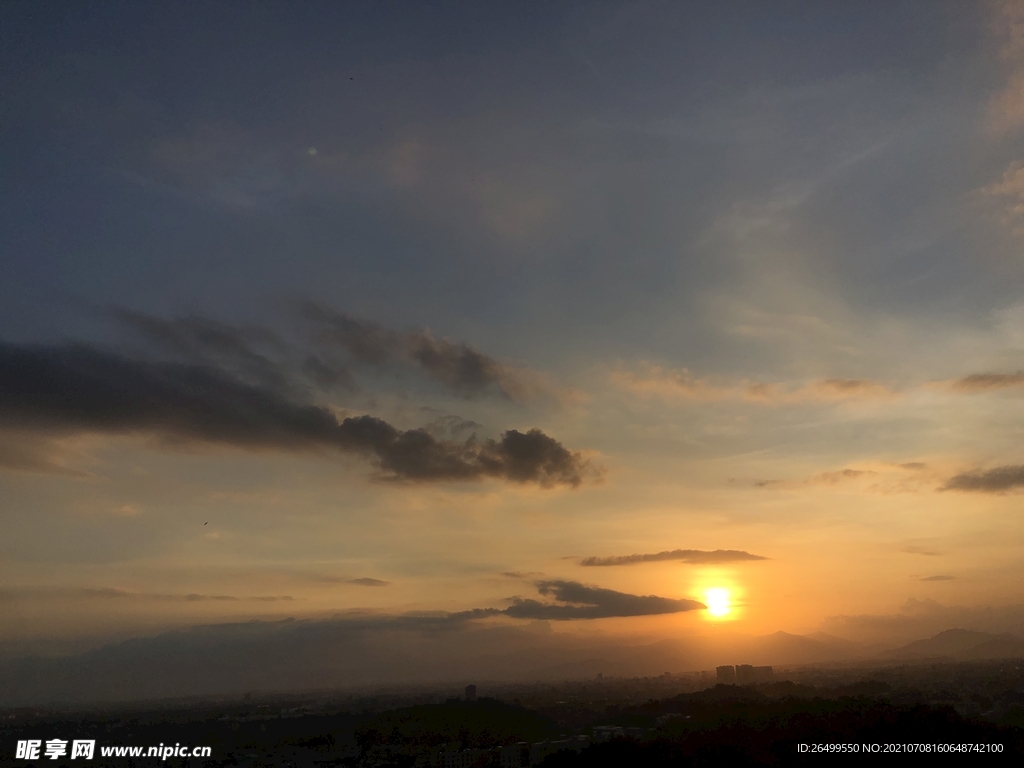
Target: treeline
<point>722,725</point>
<point>760,732</point>
<point>470,724</point>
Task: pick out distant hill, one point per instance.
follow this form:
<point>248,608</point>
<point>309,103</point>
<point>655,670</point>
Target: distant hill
<point>850,646</point>
<point>961,644</point>
<point>784,648</point>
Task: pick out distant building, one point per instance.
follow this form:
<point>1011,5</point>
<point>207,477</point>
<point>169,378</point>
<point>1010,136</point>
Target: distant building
<point>763,674</point>
<point>671,716</point>
<point>514,755</point>
<point>726,674</point>
<point>450,756</point>
<point>470,693</point>
<point>747,674</point>
<point>541,749</point>
<point>604,733</point>
<point>465,758</point>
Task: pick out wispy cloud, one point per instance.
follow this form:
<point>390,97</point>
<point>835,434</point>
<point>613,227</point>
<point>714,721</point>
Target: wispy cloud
<point>873,477</point>
<point>108,593</point>
<point>459,366</point>
<point>364,581</point>
<point>682,384</point>
<point>329,347</point>
<point>986,382</point>
<point>23,451</point>
<point>839,476</point>
<point>832,477</point>
<point>936,578</point>
<point>695,556</point>
<point>918,550</point>
<point>368,582</point>
<point>1006,110</point>
<point>253,354</point>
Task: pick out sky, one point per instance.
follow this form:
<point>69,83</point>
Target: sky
<point>624,322</point>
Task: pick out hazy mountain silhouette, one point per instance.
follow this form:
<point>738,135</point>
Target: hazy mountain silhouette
<point>961,644</point>
<point>786,648</point>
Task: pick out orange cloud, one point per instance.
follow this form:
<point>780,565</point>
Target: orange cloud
<point>1008,195</point>
<point>680,383</point>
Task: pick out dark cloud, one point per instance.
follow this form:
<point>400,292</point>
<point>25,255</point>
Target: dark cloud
<point>368,582</point>
<point>996,480</point>
<point>451,426</point>
<point>573,600</point>
<point>579,601</point>
<point>362,582</point>
<point>681,555</point>
<point>984,382</point>
<point>77,388</point>
<point>457,365</point>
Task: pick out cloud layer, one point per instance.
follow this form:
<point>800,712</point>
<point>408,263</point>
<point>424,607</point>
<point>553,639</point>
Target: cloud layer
<point>574,600</point>
<point>78,388</point>
<point>985,382</point>
<point>696,556</point>
<point>682,384</point>
<point>334,345</point>
<point>86,593</point>
<point>998,480</point>
<point>463,369</point>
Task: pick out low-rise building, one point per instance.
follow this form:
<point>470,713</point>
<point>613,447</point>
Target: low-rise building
<point>541,749</point>
<point>514,755</point>
<point>604,733</point>
<point>747,674</point>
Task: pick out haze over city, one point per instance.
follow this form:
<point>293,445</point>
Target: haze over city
<point>356,344</point>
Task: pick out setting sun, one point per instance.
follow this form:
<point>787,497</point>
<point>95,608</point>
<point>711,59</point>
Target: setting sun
<point>718,601</point>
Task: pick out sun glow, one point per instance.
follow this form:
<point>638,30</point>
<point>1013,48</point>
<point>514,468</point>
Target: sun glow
<point>718,601</point>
